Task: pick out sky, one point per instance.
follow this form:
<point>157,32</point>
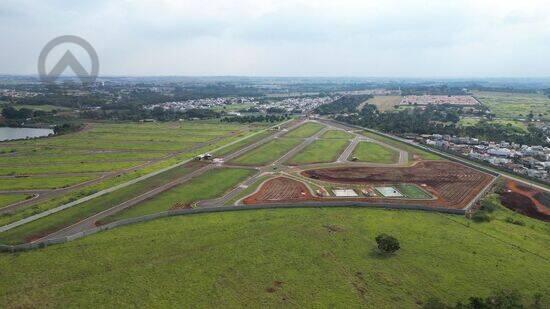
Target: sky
<point>344,38</point>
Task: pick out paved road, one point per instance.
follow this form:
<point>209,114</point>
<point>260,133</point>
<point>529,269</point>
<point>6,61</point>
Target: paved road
<point>344,156</point>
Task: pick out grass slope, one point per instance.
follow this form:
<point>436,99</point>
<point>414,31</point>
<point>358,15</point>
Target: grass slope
<point>374,153</point>
<point>268,152</point>
<point>280,258</point>
<point>212,184</point>
<point>320,151</point>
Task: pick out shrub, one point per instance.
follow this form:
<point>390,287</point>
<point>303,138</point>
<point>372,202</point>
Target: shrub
<point>387,243</point>
<point>481,216</point>
<point>514,221</point>
<point>490,204</point>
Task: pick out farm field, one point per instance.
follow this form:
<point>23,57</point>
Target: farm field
<point>385,103</point>
<point>287,257</point>
<point>320,151</point>
<point>413,151</point>
<point>374,153</point>
<point>267,152</point>
<point>209,185</point>
<point>336,134</point>
<point>305,130</point>
<point>515,105</point>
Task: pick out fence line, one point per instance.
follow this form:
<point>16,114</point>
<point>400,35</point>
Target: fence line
<point>184,212</point>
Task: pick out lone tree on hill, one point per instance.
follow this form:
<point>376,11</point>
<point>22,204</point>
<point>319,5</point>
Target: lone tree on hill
<point>387,243</point>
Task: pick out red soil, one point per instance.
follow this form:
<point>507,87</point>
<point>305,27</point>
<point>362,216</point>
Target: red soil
<point>454,185</point>
<point>278,190</point>
<point>526,200</point>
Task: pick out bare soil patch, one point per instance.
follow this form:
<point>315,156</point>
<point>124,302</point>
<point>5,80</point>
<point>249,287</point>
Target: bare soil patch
<point>278,190</point>
<point>454,185</point>
<point>526,200</point>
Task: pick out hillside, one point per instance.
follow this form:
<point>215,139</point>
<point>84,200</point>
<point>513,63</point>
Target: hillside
<point>300,257</point>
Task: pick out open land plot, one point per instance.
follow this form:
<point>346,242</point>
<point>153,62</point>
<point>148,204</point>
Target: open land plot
<point>67,168</point>
<point>8,199</point>
<point>453,185</point>
<point>33,183</point>
<point>212,184</point>
<point>385,103</point>
<point>54,222</point>
<point>268,152</point>
<point>414,153</point>
<point>218,254</point>
<point>305,130</point>
<point>461,100</point>
<point>320,151</point>
<point>515,105</point>
<point>374,153</point>
<point>467,122</point>
<point>242,144</point>
<point>336,134</point>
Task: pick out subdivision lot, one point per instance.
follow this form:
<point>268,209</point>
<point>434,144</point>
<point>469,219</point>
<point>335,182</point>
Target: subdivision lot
<point>51,223</point>
<point>307,256</point>
<point>336,134</point>
<point>7,199</point>
<point>267,153</point>
<point>320,151</point>
<point>454,185</point>
<point>305,130</point>
<point>278,190</point>
<point>47,182</point>
<point>414,153</point>
<point>243,143</point>
<point>374,153</point>
<point>515,105</point>
<point>211,184</point>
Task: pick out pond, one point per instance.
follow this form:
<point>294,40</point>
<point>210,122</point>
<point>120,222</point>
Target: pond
<point>7,134</point>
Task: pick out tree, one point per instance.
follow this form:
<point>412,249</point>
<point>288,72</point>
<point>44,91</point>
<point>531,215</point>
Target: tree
<point>387,243</point>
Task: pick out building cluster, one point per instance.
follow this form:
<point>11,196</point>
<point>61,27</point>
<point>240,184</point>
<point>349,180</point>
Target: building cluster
<point>208,103</point>
<point>302,104</point>
<point>462,100</point>
<point>531,161</point>
<point>10,93</point>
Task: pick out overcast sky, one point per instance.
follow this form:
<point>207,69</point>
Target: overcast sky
<point>380,38</point>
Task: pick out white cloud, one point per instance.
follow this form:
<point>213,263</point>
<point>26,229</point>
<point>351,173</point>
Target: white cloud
<point>264,37</point>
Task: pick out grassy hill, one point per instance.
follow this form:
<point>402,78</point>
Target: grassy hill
<point>293,257</point>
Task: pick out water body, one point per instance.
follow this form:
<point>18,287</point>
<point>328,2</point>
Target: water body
<point>7,134</point>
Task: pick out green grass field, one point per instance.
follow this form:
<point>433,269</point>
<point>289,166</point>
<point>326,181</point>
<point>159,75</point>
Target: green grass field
<point>413,151</point>
<point>8,199</point>
<point>212,184</point>
<point>305,130</point>
<point>243,143</point>
<point>515,105</point>
<point>374,153</point>
<point>268,152</point>
<point>283,258</point>
<point>412,191</point>
<point>465,122</point>
<point>320,151</point>
<point>336,134</point>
